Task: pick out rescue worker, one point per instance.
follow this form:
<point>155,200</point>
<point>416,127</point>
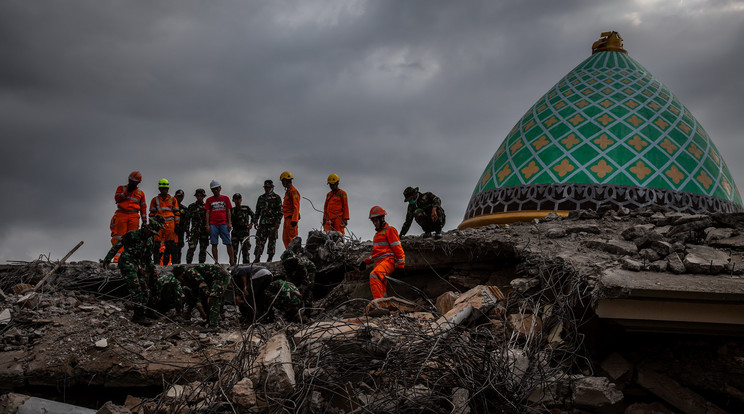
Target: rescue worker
<point>283,297</point>
<point>197,213</point>
<point>182,227</point>
<point>137,267</point>
<point>290,209</point>
<point>427,209</point>
<point>165,206</point>
<point>387,253</point>
<point>267,219</point>
<point>170,293</point>
<point>219,221</point>
<point>130,207</point>
<point>299,268</point>
<point>336,208</point>
<point>242,217</point>
<point>204,287</point>
<point>249,283</point>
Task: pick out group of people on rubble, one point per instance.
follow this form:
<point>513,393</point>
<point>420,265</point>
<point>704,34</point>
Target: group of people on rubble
<point>202,287</point>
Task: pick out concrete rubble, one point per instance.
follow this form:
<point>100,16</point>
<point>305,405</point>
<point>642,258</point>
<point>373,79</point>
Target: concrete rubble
<point>497,319</point>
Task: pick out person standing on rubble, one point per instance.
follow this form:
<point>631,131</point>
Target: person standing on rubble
<point>137,267</point>
<point>242,217</point>
<point>204,287</point>
<point>219,221</point>
<point>182,227</point>
<point>198,234</point>
<point>267,219</point>
<point>290,208</point>
<point>300,269</point>
<point>387,253</point>
<point>130,206</point>
<point>427,209</point>
<point>336,208</point>
<point>165,206</point>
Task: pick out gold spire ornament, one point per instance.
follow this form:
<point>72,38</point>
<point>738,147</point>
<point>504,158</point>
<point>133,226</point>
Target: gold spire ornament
<point>609,42</point>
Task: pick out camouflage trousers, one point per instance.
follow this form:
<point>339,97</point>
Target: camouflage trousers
<point>216,299</point>
<point>141,284</point>
<point>202,242</point>
<point>423,218</point>
<point>237,242</point>
<point>284,298</point>
<point>303,276</point>
<point>263,234</point>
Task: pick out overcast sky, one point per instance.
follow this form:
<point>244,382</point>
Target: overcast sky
<point>384,93</point>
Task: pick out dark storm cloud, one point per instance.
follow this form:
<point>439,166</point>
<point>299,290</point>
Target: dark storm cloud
<point>384,93</point>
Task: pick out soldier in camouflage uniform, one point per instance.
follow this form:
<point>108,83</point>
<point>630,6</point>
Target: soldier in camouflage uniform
<point>242,217</point>
<point>427,209</point>
<point>267,219</point>
<point>137,267</point>
<point>204,288</point>
<point>182,227</point>
<point>198,234</point>
<point>299,268</point>
<point>284,297</point>
<point>171,293</point>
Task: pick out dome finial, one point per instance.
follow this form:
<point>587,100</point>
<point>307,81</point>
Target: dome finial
<point>609,42</point>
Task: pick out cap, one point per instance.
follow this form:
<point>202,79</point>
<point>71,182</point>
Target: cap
<point>200,191</point>
<point>269,183</point>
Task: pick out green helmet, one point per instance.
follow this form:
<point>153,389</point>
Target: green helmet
<point>410,193</point>
<point>163,183</point>
<point>157,223</point>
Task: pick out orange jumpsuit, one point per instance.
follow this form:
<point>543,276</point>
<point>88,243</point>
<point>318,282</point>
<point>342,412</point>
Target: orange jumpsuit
<point>130,206</point>
<point>387,254</point>
<point>336,210</point>
<point>167,208</point>
<point>291,212</point>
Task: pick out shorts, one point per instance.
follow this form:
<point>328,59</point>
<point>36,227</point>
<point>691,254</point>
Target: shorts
<point>220,230</point>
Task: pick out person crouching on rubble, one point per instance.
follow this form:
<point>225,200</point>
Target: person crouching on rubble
<point>387,253</point>
<point>283,297</point>
<point>249,283</point>
<point>137,267</point>
<point>300,269</point>
<point>204,288</point>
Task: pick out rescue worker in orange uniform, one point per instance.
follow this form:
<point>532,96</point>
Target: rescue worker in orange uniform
<point>166,206</point>
<point>336,209</point>
<point>290,209</point>
<point>387,253</point>
<point>130,207</point>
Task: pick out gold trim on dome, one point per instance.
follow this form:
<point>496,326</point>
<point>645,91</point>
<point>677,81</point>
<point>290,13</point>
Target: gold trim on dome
<point>508,218</point>
<point>609,42</point>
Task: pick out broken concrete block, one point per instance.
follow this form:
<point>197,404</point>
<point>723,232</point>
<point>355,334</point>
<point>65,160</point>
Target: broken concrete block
<point>527,325</point>
<point>326,330</point>
<point>616,366</point>
<point>674,264</point>
<point>460,400</point>
<point>515,364</point>
<point>243,394</point>
<point>174,392</point>
<point>555,233</point>
<point>630,264</point>
<point>103,343</point>
<point>446,301</point>
<point>385,306</point>
<point>522,285</point>
<point>133,403</point>
<point>111,408</point>
<point>481,297</point>
<point>669,390</point>
<point>29,300</point>
<point>614,246</point>
<point>21,288</point>
<point>454,317</point>
<point>658,266</point>
<point>594,392</point>
<point>275,359</point>
<point>5,317</point>
<point>705,260</point>
<point>713,233</point>
<point>649,255</point>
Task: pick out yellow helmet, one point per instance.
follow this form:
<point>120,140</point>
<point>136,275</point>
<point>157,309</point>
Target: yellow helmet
<point>163,183</point>
<point>333,179</point>
<point>286,175</point>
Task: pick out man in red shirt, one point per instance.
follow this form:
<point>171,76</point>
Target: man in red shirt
<point>219,222</point>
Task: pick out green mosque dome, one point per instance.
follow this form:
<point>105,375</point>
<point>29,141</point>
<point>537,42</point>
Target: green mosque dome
<point>608,133</point>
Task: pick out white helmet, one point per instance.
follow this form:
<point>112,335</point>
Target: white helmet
<point>214,184</point>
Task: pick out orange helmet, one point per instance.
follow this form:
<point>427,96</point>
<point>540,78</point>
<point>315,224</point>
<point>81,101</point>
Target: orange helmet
<point>136,176</point>
<point>377,211</point>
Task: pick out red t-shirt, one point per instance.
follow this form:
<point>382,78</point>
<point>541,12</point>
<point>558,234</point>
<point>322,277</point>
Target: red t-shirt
<point>217,207</point>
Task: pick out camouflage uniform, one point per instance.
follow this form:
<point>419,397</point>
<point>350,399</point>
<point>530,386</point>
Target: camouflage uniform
<point>136,266</point>
<point>421,211</point>
<point>197,216</point>
<point>241,218</point>
<point>284,297</point>
<point>181,228</point>
<point>206,284</point>
<point>171,294</point>
<point>300,270</point>
<point>268,217</point>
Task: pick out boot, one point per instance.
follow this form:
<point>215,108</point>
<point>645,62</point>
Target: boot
<point>255,260</point>
<point>426,235</point>
<point>437,235</point>
<point>269,259</point>
<point>139,317</point>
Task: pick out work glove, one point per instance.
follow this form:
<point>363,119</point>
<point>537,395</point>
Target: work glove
<point>362,265</point>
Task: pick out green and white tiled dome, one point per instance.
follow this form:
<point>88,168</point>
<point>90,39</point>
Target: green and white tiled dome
<point>607,133</point>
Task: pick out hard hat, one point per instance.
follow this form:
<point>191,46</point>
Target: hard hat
<point>157,223</point>
<point>179,191</point>
<point>333,179</point>
<point>135,176</point>
<point>163,183</point>
<point>286,175</point>
<point>214,184</point>
<point>200,191</point>
<point>409,193</point>
<point>269,183</point>
<point>377,211</point>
